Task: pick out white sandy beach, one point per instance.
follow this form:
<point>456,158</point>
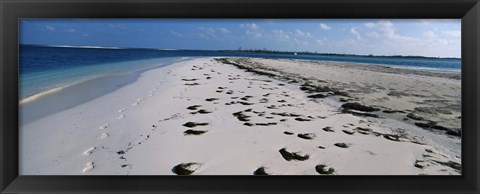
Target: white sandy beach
<point>248,118</point>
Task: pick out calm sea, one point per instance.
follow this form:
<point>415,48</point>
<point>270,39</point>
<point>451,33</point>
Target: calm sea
<point>44,70</point>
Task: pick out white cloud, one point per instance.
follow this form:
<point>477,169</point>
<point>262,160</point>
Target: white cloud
<point>370,25</point>
<point>386,29</point>
<point>223,30</point>
<point>254,33</point>
<point>429,34</point>
<point>325,26</point>
<point>177,34</point>
<point>281,35</point>
<point>356,33</point>
<point>50,28</point>
<point>303,34</point>
<point>452,33</point>
<point>250,26</point>
<point>321,41</point>
<point>253,30</point>
<point>215,33</point>
<point>203,36</point>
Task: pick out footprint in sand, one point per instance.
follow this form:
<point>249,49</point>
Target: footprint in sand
<point>88,167</point>
<point>104,126</point>
<point>135,104</point>
<point>88,151</point>
<point>104,135</point>
<point>121,116</point>
<point>121,110</point>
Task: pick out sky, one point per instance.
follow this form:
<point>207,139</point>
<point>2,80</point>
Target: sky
<point>419,37</point>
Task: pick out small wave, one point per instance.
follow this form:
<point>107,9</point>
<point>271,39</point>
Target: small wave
<point>41,94</point>
<point>97,47</point>
<point>53,90</point>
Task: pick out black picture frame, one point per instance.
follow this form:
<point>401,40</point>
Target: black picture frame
<point>12,10</point>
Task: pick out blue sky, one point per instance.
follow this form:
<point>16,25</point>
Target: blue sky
<point>436,38</point>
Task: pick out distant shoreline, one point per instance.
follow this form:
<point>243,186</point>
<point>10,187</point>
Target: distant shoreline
<point>248,51</point>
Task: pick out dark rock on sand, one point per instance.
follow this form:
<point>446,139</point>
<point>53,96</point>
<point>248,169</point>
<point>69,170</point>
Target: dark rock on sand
<point>193,132</point>
<point>420,164</point>
<point>189,79</point>
<point>317,96</point>
<point>391,137</point>
<point>246,98</point>
<point>193,107</point>
<point>322,169</point>
<point>293,155</point>
<point>192,84</point>
<point>194,124</point>
<point>393,111</point>
<point>248,124</point>
<point>288,133</point>
<point>359,107</point>
<point>348,132</point>
<point>203,111</point>
<point>302,119</point>
<point>364,131</point>
<point>453,132</point>
<point>245,103</point>
<point>241,117</point>
<point>414,116</point>
<point>306,135</point>
<point>285,114</point>
<point>342,145</point>
<point>265,124</point>
<point>260,171</point>
<point>328,129</point>
<point>211,99</point>
<point>433,125</point>
<point>185,168</point>
<point>451,164</point>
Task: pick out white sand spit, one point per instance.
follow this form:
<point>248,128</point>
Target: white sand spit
<point>232,122</point>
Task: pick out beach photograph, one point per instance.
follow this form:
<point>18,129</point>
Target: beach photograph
<point>240,97</point>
